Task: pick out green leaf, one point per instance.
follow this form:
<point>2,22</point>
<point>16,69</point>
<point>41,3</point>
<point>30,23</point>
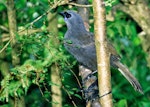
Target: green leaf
<point>122,103</point>
<point>78,96</point>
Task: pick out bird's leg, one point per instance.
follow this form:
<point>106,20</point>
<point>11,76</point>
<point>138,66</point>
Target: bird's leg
<point>90,75</point>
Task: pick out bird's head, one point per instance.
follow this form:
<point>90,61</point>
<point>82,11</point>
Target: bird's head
<point>73,20</point>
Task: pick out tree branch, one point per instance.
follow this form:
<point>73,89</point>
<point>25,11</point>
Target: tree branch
<point>5,46</point>
<point>89,83</point>
<point>103,63</point>
<point>12,30</point>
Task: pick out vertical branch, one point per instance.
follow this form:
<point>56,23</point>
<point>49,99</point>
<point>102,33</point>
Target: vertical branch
<point>104,75</point>
<point>89,84</point>
<point>55,77</point>
<point>12,30</point>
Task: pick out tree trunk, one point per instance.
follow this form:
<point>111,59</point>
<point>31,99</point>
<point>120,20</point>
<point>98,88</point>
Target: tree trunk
<point>85,72</point>
<point>55,77</point>
<point>103,58</point>
<point>12,31</point>
<point>18,102</point>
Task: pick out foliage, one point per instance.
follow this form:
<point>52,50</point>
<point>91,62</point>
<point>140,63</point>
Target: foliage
<point>37,53</point>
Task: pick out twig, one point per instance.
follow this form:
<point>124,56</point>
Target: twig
<point>69,96</point>
<point>58,3</point>
<point>3,28</point>
<point>79,5</point>
<point>5,46</point>
<point>42,93</point>
<point>75,76</point>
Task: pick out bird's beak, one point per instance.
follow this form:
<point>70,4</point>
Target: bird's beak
<point>62,14</point>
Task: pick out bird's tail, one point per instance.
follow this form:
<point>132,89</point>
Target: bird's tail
<point>127,74</point>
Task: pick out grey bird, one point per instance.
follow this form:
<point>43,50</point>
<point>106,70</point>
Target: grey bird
<point>80,43</point>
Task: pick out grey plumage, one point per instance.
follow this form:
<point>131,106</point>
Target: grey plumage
<point>80,43</point>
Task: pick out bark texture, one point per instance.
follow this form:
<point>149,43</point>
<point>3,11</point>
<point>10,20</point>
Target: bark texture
<point>103,63</point>
<point>55,77</point>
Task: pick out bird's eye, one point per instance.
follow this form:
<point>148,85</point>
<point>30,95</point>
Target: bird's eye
<point>67,15</point>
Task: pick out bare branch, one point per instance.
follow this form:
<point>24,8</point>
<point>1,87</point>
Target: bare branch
<point>12,30</point>
<point>5,46</point>
<point>3,28</point>
<point>103,63</point>
<point>79,5</point>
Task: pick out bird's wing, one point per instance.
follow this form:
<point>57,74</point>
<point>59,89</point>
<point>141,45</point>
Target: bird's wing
<point>112,50</point>
<point>89,53</point>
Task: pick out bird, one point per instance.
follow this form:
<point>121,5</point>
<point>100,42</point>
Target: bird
<point>81,44</point>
